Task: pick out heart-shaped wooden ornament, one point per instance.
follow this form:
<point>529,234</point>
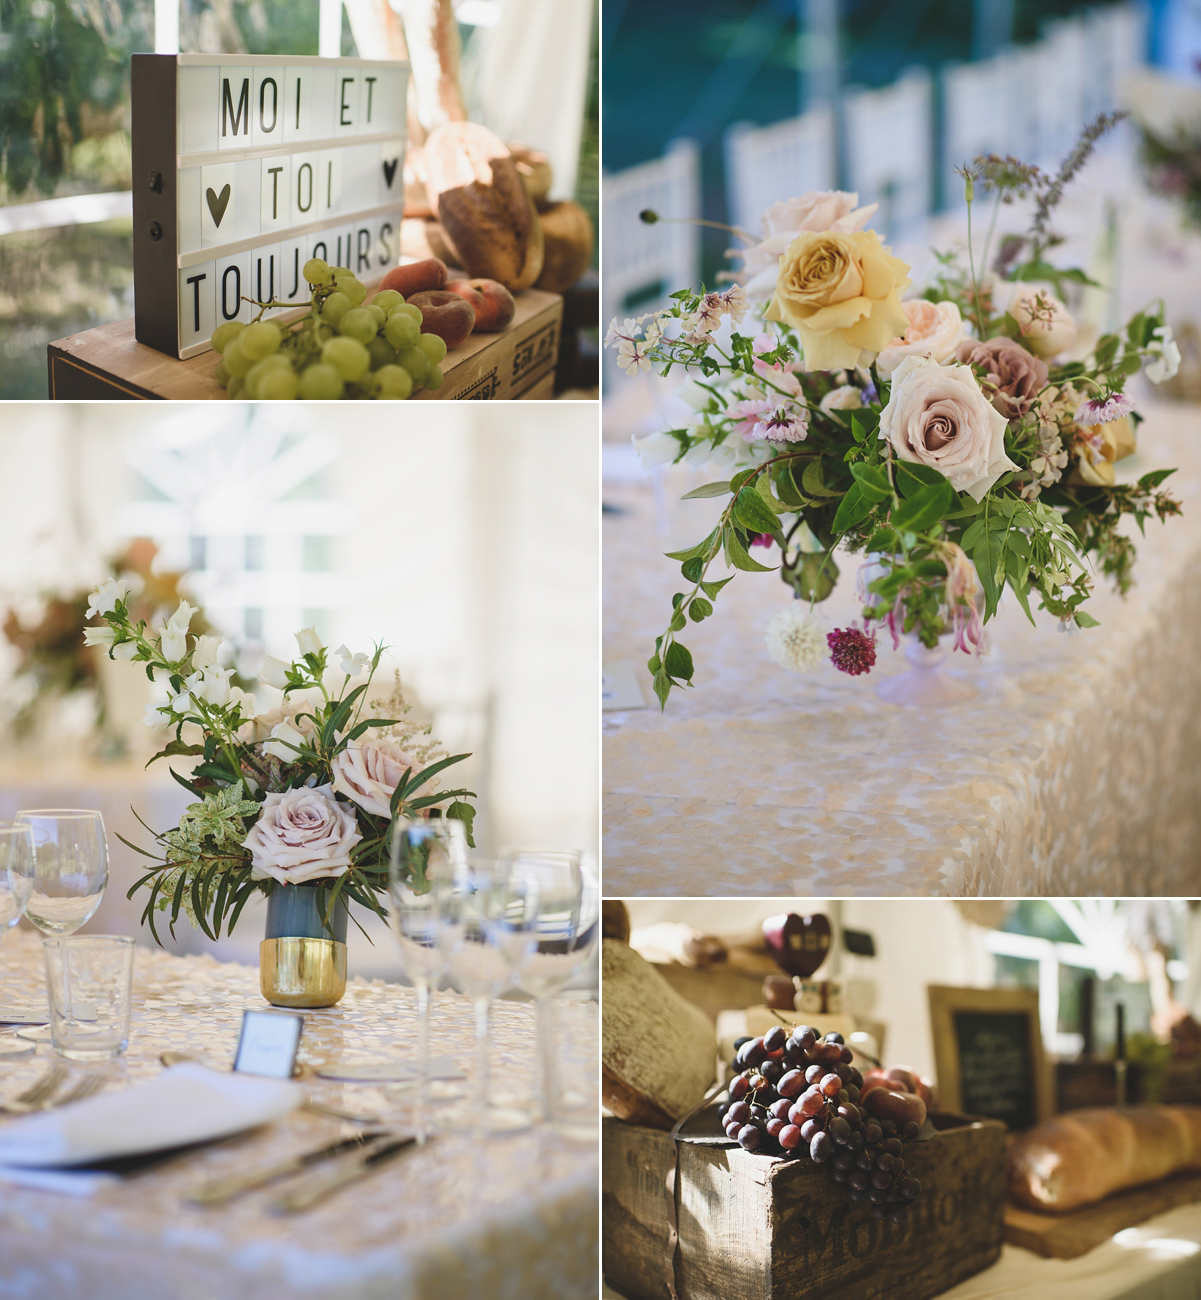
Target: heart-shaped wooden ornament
<point>217,203</point>
<point>798,943</point>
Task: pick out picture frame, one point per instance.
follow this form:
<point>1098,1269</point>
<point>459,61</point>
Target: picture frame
<point>988,1053</point>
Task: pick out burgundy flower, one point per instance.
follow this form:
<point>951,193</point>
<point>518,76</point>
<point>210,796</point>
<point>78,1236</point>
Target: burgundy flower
<point>851,650</point>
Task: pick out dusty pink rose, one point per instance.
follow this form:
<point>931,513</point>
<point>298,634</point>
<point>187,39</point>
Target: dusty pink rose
<point>938,415</point>
<point>1017,376</point>
<point>935,330</point>
<point>301,835</point>
<point>818,210</point>
<point>367,772</point>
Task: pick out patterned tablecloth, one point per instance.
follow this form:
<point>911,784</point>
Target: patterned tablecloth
<point>512,1216</point>
<point>1075,769</point>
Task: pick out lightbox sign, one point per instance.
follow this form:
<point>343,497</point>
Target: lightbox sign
<point>246,166</point>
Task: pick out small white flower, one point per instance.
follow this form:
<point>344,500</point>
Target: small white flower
<point>182,703</point>
<point>696,395</point>
<point>157,715</point>
<point>211,686</point>
<point>795,639</point>
<point>1166,352</point>
<point>125,650</point>
<point>624,331</point>
<point>173,645</point>
<point>633,355</point>
<point>352,665</point>
<point>657,449</point>
<point>308,641</point>
<point>844,398</point>
<point>104,636</point>
<point>244,701</point>
<point>274,672</point>
<point>206,651</point>
<point>283,737</point>
<point>178,622</point>
<point>108,595</point>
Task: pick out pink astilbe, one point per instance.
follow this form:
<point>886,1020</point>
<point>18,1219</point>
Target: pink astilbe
<point>852,650</point>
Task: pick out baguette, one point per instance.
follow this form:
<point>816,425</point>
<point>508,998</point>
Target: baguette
<point>1086,1155</point>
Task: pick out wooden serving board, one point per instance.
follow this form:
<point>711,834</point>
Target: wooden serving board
<point>1066,1236</point>
<point>108,363</point>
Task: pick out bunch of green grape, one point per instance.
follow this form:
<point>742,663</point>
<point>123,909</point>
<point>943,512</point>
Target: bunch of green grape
<point>340,348</point>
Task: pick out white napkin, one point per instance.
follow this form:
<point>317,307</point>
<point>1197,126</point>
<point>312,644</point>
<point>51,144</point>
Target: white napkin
<point>189,1103</point>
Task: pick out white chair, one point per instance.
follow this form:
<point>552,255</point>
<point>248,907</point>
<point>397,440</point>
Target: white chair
<point>1019,70</point>
<point>889,143</point>
<point>767,164</point>
<point>974,120</point>
<point>1063,99</point>
<point>643,263</point>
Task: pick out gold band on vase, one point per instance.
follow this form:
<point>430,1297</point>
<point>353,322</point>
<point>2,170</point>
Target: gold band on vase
<point>302,972</point>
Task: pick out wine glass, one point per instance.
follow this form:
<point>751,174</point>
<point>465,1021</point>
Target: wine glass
<point>424,857</point>
<point>66,872</point>
<point>16,847</point>
<point>568,926</point>
<point>487,922</point>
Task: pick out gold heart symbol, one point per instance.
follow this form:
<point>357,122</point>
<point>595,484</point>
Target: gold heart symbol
<point>218,203</point>
<point>390,171</point>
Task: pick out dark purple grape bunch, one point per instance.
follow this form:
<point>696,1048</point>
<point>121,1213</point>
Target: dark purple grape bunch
<point>798,1096</point>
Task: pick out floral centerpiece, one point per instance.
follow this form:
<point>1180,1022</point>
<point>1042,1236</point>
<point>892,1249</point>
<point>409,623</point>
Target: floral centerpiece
<point>961,441</point>
<point>296,803</point>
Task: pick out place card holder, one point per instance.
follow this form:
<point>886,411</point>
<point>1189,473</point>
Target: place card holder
<point>244,167</point>
<point>268,1043</point>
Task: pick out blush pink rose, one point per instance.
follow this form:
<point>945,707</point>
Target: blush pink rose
<point>1017,375</point>
<point>935,330</point>
<point>939,416</point>
<point>819,210</point>
<point>301,835</point>
<point>368,772</point>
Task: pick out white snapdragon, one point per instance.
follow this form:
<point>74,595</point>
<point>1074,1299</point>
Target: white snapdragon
<point>1166,353</point>
<point>274,672</point>
<point>352,665</point>
<point>308,641</point>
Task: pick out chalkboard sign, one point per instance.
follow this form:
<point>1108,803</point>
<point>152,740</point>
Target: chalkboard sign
<point>244,167</point>
<point>989,1055</point>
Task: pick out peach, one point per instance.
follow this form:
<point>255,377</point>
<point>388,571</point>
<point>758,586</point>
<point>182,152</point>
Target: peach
<point>900,1107</point>
<point>445,314</point>
<point>416,277</point>
<point>492,303</point>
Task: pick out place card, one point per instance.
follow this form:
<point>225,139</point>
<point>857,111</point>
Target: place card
<point>268,1043</point>
<point>620,688</point>
<point>247,166</point>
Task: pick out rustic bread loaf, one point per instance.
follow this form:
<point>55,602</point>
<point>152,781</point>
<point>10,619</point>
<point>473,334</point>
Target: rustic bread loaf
<point>473,184</point>
<point>567,235</point>
<point>535,170</point>
<point>420,239</point>
<point>1086,1155</point>
<point>658,1052</point>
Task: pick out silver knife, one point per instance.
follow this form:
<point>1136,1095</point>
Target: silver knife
<point>224,1189</point>
<point>300,1198</point>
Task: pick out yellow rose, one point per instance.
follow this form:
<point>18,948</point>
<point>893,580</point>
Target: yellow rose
<point>841,292</point>
<point>1118,441</point>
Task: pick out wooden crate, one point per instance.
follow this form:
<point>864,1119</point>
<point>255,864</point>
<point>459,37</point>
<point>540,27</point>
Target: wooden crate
<point>753,1227</point>
<point>108,363</point>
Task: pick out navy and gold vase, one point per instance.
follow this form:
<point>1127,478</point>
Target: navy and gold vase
<point>301,963</point>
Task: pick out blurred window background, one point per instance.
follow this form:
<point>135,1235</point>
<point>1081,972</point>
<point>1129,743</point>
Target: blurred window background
<point>66,255</point>
<point>717,108</point>
<point>440,542</point>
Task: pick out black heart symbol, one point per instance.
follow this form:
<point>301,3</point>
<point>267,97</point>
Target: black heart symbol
<point>390,171</point>
<point>218,204</point>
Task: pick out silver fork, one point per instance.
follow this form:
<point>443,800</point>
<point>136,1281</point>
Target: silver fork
<point>39,1093</point>
<point>86,1086</point>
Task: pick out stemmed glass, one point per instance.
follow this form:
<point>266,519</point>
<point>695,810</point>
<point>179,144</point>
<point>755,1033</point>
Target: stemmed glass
<point>66,873</point>
<point>16,848</point>
<point>487,927</point>
<point>426,854</point>
<point>568,926</point>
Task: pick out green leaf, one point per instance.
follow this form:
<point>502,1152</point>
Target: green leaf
<point>426,773</point>
<point>699,609</point>
<point>858,432</point>
<point>662,685</point>
<point>763,487</point>
<point>786,488</point>
<point>924,508</point>
<point>752,512</point>
<point>1155,478</point>
<point>852,509</point>
<point>465,813</point>
<point>740,559</point>
<point>1084,620</point>
<point>721,489</point>
<point>678,662</point>
<point>693,568</point>
<point>815,576</point>
<point>912,476</point>
<point>701,548</point>
<point>712,588</point>
<point>873,482</point>
<point>811,480</point>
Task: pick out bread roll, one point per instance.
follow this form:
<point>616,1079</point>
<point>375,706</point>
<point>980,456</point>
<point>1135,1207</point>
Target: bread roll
<point>474,186</point>
<point>1086,1155</point>
<point>567,235</point>
<point>534,168</point>
<point>658,1052</point>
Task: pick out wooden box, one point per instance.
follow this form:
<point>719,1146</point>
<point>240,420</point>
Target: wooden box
<point>754,1227</point>
<point>109,363</point>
